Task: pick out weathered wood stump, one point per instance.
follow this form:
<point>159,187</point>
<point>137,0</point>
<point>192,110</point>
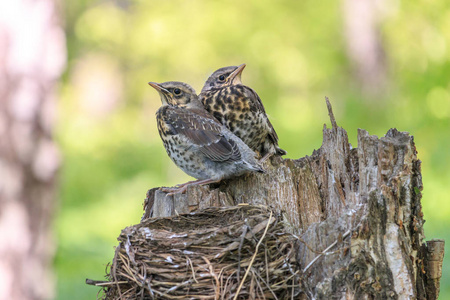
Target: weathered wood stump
<point>354,212</point>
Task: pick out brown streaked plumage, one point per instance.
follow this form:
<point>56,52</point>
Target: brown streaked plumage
<point>194,140</point>
<point>240,109</point>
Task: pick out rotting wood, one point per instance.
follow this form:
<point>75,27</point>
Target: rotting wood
<point>373,192</point>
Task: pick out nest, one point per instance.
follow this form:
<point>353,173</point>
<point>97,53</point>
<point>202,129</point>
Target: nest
<point>239,252</point>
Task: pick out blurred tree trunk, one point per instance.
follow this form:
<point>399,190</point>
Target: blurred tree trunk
<point>356,211</point>
<point>365,48</point>
<point>32,58</point>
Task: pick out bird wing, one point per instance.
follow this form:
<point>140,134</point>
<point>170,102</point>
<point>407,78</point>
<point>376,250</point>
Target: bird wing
<point>260,107</point>
<point>204,132</point>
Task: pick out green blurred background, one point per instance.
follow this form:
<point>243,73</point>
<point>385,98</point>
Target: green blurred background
<point>296,53</point>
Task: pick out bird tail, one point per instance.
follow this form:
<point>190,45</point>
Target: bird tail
<point>261,170</point>
<point>280,151</point>
<point>255,167</point>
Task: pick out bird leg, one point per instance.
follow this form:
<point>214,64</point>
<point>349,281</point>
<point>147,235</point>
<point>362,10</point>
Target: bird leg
<point>265,157</point>
<point>176,187</point>
<point>183,184</point>
<point>181,188</point>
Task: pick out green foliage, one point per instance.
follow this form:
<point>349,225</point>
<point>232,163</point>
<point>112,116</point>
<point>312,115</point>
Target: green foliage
<point>295,55</point>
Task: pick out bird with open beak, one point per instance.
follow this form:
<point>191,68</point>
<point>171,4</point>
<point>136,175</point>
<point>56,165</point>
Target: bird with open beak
<point>240,109</point>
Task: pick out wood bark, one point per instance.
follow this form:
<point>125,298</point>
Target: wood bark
<point>359,207</point>
<point>32,57</point>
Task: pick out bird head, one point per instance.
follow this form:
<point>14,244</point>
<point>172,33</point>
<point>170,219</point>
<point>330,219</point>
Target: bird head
<point>224,77</point>
<point>175,93</point>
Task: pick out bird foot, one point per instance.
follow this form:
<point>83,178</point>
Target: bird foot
<point>181,188</point>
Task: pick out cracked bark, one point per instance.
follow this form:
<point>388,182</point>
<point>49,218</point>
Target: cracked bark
<point>373,191</point>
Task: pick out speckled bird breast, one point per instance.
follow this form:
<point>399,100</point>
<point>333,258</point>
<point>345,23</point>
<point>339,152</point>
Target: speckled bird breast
<point>179,150</point>
<point>235,107</point>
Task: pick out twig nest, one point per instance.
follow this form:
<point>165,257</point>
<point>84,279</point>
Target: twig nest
<point>239,252</point>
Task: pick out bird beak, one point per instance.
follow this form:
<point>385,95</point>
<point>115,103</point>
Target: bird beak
<point>235,77</point>
<point>162,91</point>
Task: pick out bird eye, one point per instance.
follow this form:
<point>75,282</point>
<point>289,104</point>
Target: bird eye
<point>222,77</point>
<point>177,91</point>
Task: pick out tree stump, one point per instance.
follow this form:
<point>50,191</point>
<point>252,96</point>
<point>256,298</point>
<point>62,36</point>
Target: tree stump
<point>354,214</point>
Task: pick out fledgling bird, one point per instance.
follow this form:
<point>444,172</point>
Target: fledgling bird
<point>196,142</point>
<point>240,109</point>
